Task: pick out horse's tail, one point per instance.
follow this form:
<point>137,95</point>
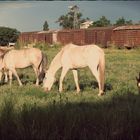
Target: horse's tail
<point>42,66</point>
<point>102,69</point>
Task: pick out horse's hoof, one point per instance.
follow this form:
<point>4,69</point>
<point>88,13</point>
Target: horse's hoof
<point>60,91</point>
<point>101,94</point>
<point>78,91</point>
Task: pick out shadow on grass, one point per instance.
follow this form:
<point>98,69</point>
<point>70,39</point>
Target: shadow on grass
<point>24,79</point>
<point>94,85</point>
<point>91,84</point>
<point>103,119</point>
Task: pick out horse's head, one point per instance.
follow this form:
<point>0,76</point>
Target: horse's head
<point>48,81</point>
<point>138,81</point>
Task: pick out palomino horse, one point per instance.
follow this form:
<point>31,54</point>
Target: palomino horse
<point>73,57</point>
<point>21,59</point>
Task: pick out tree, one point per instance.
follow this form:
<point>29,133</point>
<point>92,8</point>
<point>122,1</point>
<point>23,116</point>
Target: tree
<point>129,22</point>
<point>67,21</point>
<point>122,21</point>
<point>8,35</point>
<point>45,26</point>
<point>102,22</point>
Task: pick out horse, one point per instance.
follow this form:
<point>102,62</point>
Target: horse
<point>73,57</point>
<point>24,58</point>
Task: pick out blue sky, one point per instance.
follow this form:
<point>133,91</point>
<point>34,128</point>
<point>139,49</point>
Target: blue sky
<point>30,15</point>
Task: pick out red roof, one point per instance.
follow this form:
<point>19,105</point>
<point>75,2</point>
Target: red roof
<point>129,27</point>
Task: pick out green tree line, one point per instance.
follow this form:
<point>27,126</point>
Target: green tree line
<point>8,35</point>
<point>66,21</point>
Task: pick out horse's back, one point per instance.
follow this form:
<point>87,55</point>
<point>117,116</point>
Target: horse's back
<point>71,48</point>
<point>22,58</point>
<point>81,56</point>
<point>33,54</point>
<point>23,53</point>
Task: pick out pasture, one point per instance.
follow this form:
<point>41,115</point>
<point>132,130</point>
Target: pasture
<point>27,112</point>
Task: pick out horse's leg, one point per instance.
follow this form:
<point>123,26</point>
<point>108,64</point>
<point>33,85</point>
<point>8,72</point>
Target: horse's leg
<point>15,73</point>
<point>1,76</point>
<point>95,72</point>
<point>63,73</point>
<point>10,77</point>
<point>75,74</point>
<point>37,75</point>
<point>5,77</point>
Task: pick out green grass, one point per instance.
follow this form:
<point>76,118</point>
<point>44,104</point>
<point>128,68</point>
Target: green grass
<point>29,113</point>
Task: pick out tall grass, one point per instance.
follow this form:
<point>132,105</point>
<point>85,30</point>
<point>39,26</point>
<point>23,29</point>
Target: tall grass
<point>29,113</point>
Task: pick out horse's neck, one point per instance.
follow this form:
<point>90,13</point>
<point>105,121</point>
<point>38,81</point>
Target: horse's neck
<point>56,63</point>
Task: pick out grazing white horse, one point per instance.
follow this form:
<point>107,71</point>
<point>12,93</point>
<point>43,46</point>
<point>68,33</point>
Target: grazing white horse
<point>73,57</point>
<point>21,59</point>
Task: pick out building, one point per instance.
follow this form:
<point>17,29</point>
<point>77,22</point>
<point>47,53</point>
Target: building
<point>127,36</point>
<point>122,36</point>
<point>86,24</point>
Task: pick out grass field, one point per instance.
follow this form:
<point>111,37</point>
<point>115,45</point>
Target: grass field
<point>27,112</point>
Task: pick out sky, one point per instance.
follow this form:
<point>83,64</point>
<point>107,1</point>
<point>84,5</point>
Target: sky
<point>30,15</point>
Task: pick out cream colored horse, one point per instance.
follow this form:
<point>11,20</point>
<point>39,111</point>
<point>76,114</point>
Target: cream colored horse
<point>73,57</point>
<point>21,59</point>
